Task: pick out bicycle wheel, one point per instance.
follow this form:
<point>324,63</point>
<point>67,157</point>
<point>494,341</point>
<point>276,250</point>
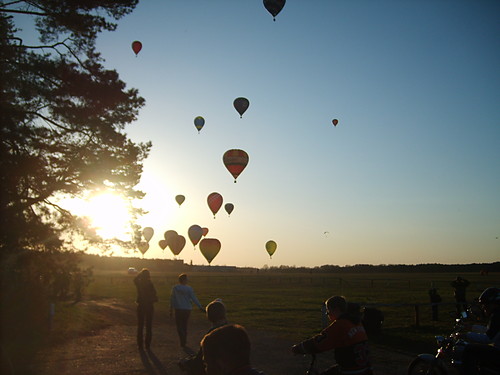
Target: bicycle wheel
<point>420,366</point>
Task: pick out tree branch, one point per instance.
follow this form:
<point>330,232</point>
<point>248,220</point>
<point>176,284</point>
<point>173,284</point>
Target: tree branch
<point>22,12</point>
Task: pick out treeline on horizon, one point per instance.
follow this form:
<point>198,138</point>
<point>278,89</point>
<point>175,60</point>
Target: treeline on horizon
<point>123,263</point>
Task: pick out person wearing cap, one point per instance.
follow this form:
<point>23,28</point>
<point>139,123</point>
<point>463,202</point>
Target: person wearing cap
<point>485,349</point>
<point>182,298</point>
<point>345,335</point>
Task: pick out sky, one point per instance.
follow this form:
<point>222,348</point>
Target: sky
<point>411,173</point>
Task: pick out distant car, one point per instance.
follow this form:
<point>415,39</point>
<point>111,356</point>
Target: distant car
<point>132,271</point>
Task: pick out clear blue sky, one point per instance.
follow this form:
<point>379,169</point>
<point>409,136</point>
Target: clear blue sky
<point>411,174</point>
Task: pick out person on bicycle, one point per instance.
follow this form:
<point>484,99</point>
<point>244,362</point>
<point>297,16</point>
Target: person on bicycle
<point>485,351</point>
<point>345,335</point>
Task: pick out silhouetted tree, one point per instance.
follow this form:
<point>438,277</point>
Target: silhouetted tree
<point>62,119</point>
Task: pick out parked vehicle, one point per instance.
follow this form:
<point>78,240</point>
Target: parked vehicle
<point>448,359</point>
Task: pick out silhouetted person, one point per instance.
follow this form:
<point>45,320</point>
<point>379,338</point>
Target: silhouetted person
<point>345,335</point>
<point>146,297</point>
<point>181,300</point>
<point>435,300</point>
<point>459,286</point>
<point>216,314</point>
<point>226,351</point>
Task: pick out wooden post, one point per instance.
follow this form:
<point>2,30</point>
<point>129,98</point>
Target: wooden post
<point>417,316</point>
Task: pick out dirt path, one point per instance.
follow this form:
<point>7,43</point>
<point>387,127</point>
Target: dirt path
<point>113,351</point>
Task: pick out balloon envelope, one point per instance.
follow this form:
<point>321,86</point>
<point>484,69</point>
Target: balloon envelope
<point>335,122</point>
<point>241,105</point>
<point>177,244</point>
<point>205,231</point>
<point>143,247</point>
<point>180,199</point>
<point>148,233</point>
<point>199,122</point>
<point>195,233</point>
<point>136,47</point>
<point>235,161</point>
<point>214,201</point>
<point>170,235</point>
<point>271,247</point>
<point>210,247</point>
<point>229,207</point>
<point>163,244</point>
<point>274,6</point>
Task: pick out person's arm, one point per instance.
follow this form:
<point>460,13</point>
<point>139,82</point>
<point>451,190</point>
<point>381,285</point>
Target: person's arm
<point>193,297</point>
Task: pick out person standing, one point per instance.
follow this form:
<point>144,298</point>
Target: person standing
<point>146,297</point>
<point>459,285</point>
<point>181,301</point>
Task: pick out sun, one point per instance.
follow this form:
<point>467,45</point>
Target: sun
<point>108,214</point>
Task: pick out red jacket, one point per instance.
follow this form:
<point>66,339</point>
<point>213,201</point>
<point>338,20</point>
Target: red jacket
<point>347,337</point>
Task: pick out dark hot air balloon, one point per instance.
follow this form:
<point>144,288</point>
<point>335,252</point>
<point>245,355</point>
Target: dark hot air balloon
<point>199,122</point>
<point>335,122</point>
<point>229,207</point>
<point>235,161</point>
<point>210,247</point>
<point>136,47</point>
<point>195,233</point>
<point>241,105</point>
<point>274,7</point>
<point>214,201</point>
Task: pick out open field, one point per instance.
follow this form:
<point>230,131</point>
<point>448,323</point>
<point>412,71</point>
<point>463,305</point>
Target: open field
<point>290,304</point>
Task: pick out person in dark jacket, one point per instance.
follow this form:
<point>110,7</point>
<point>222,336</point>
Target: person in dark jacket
<point>459,285</point>
<point>216,314</point>
<point>345,335</point>
<point>226,351</point>
<point>146,297</point>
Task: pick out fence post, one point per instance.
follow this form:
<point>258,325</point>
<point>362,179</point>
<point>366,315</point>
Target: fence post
<point>417,316</point>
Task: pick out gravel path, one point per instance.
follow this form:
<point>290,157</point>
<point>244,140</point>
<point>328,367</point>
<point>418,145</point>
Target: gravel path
<point>113,351</point>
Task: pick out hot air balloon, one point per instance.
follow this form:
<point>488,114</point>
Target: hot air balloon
<point>205,231</point>
<point>274,7</point>
<point>136,47</point>
<point>180,199</point>
<point>148,233</point>
<point>335,122</point>
<point>214,201</point>
<point>235,161</point>
<point>177,244</point>
<point>229,207</point>
<point>143,247</point>
<point>271,247</point>
<point>210,247</point>
<point>194,233</point>
<point>162,244</point>
<point>170,235</point>
<point>199,122</point>
<point>241,105</point>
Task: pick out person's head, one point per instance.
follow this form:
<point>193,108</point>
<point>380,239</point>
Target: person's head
<point>144,274</point>
<point>216,311</point>
<point>183,278</point>
<point>459,278</point>
<point>225,349</point>
<point>335,306</point>
<point>490,300</point>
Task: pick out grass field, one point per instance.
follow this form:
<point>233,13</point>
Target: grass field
<point>290,304</point>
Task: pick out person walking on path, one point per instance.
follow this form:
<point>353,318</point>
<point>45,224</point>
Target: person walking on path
<point>459,285</point>
<point>146,297</point>
<point>181,300</point>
